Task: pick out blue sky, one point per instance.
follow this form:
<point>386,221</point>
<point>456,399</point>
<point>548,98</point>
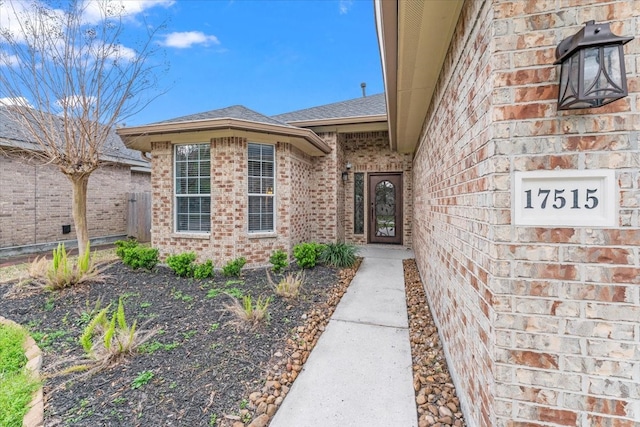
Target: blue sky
<point>270,56</point>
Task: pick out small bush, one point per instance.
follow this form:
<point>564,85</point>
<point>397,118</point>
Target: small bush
<point>289,286</point>
<point>306,254</point>
<point>182,264</point>
<point>339,255</point>
<point>204,270</point>
<point>106,339</point>
<point>249,313</point>
<point>234,267</point>
<point>140,257</point>
<point>279,260</point>
<point>123,245</point>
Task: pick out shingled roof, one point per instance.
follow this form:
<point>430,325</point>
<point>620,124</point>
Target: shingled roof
<point>238,112</point>
<point>372,105</point>
<point>12,134</point>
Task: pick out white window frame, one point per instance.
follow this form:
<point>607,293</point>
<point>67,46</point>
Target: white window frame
<point>177,196</point>
<point>273,194</point>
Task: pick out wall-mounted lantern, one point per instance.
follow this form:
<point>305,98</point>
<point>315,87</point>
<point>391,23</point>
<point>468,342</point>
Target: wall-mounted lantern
<point>345,174</point>
<point>592,70</point>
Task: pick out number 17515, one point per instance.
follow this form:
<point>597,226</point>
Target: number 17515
<point>562,198</point>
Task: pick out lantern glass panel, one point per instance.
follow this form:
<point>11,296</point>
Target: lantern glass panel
<point>612,64</point>
<point>592,69</point>
<point>574,73</point>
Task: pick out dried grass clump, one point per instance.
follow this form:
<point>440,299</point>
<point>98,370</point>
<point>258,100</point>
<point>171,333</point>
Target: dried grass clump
<point>289,286</point>
<point>249,314</point>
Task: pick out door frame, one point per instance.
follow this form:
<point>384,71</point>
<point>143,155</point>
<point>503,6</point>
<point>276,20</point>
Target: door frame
<point>373,179</point>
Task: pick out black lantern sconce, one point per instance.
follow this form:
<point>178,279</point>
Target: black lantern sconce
<point>592,70</point>
<point>345,174</point>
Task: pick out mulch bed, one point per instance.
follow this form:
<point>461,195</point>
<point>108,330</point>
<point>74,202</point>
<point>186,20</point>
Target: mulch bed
<point>203,366</point>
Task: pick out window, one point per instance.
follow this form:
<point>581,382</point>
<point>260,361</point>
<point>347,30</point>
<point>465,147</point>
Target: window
<point>261,179</point>
<point>193,188</point>
<point>358,203</point>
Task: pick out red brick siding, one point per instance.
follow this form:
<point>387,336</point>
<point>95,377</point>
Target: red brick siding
<point>229,238</point>
<point>369,152</point>
<point>540,324</point>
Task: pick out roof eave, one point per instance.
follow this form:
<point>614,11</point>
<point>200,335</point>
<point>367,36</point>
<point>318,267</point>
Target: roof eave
<point>412,58</point>
<point>340,121</point>
<point>131,135</point>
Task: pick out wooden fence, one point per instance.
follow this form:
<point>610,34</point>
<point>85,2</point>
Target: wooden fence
<point>139,216</point>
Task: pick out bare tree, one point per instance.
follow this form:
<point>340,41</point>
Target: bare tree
<point>71,81</point>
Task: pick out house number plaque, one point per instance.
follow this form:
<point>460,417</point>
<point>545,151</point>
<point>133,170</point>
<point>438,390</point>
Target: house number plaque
<point>565,198</point>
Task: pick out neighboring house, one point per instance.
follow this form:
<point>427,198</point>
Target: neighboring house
<point>540,323</point>
<point>35,198</point>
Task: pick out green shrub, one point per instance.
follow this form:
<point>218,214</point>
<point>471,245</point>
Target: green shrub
<point>182,264</point>
<point>338,255</point>
<point>278,260</point>
<point>140,257</point>
<point>123,245</point>
<point>234,267</point>
<point>306,254</point>
<point>204,270</point>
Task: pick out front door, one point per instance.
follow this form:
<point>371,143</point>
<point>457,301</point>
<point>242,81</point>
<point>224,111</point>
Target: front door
<point>385,218</point>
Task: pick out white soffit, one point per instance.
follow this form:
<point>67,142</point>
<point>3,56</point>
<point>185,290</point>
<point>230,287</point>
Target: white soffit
<point>425,29</point>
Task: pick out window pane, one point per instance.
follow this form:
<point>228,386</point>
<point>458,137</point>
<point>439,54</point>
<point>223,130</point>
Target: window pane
<point>358,203</point>
<point>193,187</point>
<point>261,187</point>
<point>205,168</point>
<point>267,169</point>
<point>205,186</point>
<point>206,205</point>
<point>254,222</point>
<point>267,186</point>
<point>254,185</point>
<point>267,153</point>
<point>254,151</point>
<point>181,169</point>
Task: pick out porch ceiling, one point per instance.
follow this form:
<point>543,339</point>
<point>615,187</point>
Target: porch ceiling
<point>414,37</point>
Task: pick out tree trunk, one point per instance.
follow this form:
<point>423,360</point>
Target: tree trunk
<point>80,183</point>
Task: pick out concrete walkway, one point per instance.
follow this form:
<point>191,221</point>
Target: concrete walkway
<point>360,372</point>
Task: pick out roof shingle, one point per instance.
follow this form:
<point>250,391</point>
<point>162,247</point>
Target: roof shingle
<point>371,105</point>
<point>238,112</point>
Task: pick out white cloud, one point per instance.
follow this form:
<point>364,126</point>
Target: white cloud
<point>94,10</point>
<point>182,40</point>
<point>8,60</point>
<point>21,101</point>
<point>13,14</point>
<point>345,6</point>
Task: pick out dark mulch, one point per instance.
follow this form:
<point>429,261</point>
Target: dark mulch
<point>204,367</point>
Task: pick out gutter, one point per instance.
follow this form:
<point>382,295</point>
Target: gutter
<point>340,121</point>
<point>224,124</point>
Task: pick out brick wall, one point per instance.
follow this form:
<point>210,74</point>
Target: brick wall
<point>229,238</point>
<point>324,191</point>
<point>541,325</point>
<point>369,152</point>
<point>35,201</point>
